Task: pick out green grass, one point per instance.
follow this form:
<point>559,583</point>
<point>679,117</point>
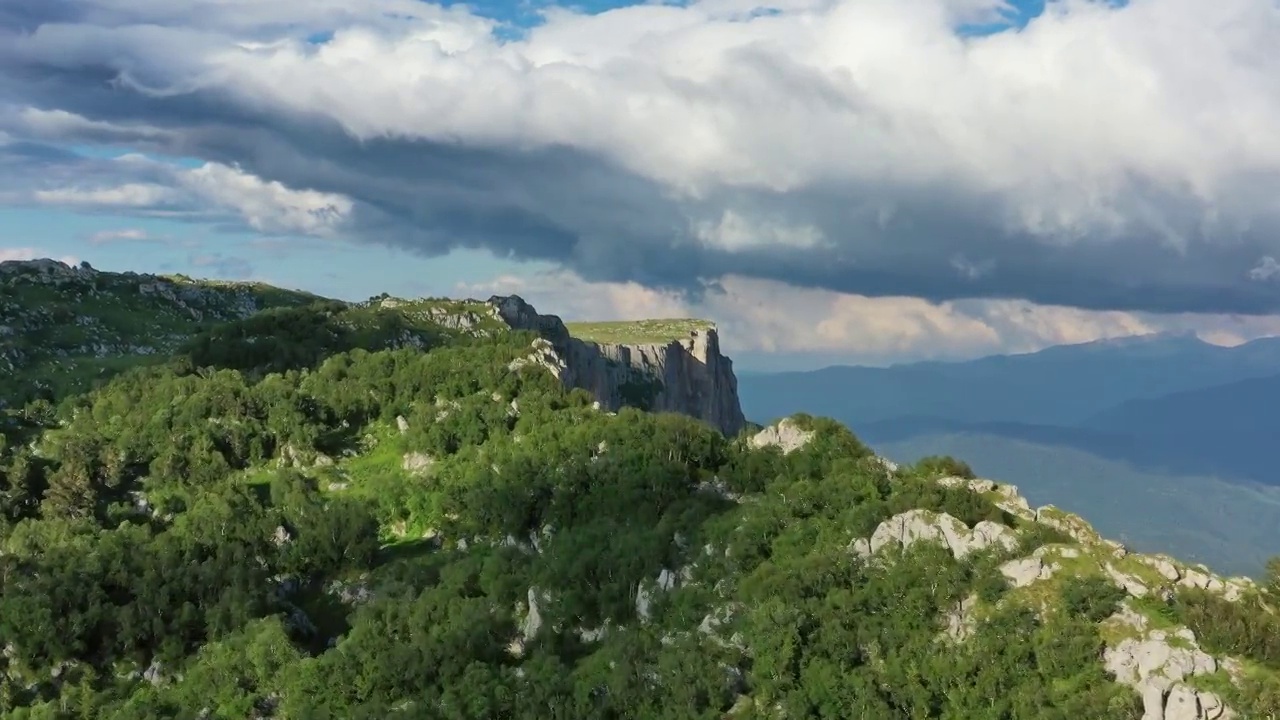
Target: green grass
<point>77,331</point>
<point>72,375</point>
<point>637,332</point>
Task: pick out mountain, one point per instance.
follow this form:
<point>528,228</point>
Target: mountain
<point>1242,406</point>
<point>426,509</point>
<point>1061,385</point>
<point>1095,427</point>
<point>1230,526</point>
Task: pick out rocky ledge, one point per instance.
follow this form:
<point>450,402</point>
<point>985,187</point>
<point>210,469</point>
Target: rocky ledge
<point>685,375</point>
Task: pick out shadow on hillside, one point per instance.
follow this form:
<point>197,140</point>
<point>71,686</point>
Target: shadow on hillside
<point>407,550</point>
<point>282,339</point>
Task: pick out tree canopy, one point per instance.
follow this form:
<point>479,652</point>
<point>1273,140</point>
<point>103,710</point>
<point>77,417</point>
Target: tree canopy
<point>290,519</point>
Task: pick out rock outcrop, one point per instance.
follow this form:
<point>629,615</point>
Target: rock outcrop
<point>906,529</point>
<point>1157,664</point>
<point>686,375</point>
<point>785,435</point>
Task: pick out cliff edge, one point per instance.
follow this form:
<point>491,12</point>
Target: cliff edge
<point>687,375</point>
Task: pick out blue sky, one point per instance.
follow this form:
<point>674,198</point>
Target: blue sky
<point>866,179</point>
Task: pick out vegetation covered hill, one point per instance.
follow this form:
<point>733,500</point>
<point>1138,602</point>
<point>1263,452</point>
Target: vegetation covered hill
<point>1165,439</point>
<point>1231,526</point>
<point>389,510</point>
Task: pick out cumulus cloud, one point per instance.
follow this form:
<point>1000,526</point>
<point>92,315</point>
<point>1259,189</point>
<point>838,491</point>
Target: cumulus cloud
<point>134,183</point>
<point>124,235</point>
<point>1105,158</point>
<point>760,318</point>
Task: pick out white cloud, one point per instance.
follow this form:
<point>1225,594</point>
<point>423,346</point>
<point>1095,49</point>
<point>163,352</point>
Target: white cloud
<point>766,317</point>
<point>267,206</point>
<point>1102,157</point>
<point>212,191</point>
<point>131,195</point>
<point>863,90</point>
<point>735,232</point>
<point>1266,269</point>
<point>123,235</point>
<point>55,123</point>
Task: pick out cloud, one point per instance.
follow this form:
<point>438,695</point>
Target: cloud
<point>134,195</point>
<point>138,185</point>
<point>760,318</point>
<point>1104,158</point>
<point>1266,269</point>
<point>124,235</point>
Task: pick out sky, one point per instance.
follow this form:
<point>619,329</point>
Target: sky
<point>863,181</point>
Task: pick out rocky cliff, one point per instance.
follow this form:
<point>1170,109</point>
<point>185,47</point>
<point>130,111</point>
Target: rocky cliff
<point>686,375</point>
<point>62,321</point>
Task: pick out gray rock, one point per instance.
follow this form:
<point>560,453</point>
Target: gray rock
<point>1157,669</point>
<point>689,375</point>
<point>533,617</point>
<point>416,462</point>
<point>905,529</point>
<point>1024,571</point>
<point>1129,583</point>
<point>785,435</point>
<point>960,621</point>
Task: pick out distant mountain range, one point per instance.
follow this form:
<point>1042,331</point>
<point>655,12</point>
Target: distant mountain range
<point>1164,409</point>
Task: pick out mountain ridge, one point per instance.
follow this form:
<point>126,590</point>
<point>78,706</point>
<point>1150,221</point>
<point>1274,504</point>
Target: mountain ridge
<point>1063,385</point>
<point>682,373</point>
<point>1179,419</point>
<point>401,509</point>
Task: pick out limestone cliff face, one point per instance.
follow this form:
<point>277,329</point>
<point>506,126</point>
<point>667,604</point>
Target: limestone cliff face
<point>687,375</point>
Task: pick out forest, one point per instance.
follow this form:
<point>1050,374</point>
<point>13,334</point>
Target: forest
<point>295,517</point>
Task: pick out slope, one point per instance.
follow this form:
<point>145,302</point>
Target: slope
<point>443,530</point>
<point>1231,526</point>
<point>63,327</point>
<point>1228,428</point>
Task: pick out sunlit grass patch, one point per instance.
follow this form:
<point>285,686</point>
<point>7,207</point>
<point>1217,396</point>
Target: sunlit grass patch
<point>637,332</point>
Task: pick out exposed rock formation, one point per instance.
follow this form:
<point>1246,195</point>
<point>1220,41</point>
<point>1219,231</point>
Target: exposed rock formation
<point>959,622</point>
<point>908,528</point>
<point>84,330</point>
<point>1024,571</point>
<point>1156,663</point>
<point>786,435</point>
<point>687,375</point>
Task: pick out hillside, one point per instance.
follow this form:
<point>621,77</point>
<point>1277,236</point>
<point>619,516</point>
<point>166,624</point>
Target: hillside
<point>1231,526</point>
<point>413,509</point>
<point>1178,432</point>
<point>1229,428</point>
<point>63,327</point>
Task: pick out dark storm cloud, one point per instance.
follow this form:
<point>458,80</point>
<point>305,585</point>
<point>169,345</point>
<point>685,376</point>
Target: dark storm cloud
<point>939,230</point>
